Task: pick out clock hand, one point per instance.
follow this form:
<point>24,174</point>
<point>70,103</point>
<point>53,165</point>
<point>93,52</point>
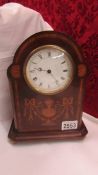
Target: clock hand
<point>40,69</point>
<point>49,72</point>
<point>54,78</point>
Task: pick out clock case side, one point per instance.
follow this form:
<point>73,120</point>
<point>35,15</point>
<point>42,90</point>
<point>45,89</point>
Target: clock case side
<point>20,130</point>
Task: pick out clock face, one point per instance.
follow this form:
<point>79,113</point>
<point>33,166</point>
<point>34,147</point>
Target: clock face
<point>48,69</point>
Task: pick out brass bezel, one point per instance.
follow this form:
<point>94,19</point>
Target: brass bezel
<point>25,72</point>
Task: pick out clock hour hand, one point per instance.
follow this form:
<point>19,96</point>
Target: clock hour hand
<point>40,69</point>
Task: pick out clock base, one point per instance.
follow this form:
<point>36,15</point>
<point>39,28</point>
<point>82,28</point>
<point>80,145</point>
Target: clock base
<point>17,136</point>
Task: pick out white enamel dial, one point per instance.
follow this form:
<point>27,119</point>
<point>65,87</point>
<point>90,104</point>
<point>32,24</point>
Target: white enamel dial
<point>48,69</point>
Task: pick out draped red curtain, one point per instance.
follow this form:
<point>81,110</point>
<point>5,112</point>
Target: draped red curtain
<point>79,19</point>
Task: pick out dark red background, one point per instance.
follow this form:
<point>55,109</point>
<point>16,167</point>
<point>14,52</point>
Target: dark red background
<point>79,19</point>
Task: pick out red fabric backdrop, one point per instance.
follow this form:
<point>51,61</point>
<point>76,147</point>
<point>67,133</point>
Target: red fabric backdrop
<point>79,19</point>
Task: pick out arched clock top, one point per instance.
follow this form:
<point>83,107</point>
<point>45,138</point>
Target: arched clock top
<point>48,38</point>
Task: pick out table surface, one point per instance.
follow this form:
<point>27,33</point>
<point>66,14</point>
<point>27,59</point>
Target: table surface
<point>77,157</point>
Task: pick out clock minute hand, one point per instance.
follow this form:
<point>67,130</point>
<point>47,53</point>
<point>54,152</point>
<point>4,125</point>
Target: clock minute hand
<point>54,78</point>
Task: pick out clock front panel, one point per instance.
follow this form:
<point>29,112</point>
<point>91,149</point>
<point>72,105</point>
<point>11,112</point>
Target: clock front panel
<point>37,112</point>
<point>46,97</point>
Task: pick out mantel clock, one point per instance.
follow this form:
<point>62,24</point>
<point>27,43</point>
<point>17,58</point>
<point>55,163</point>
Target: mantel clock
<point>47,79</point>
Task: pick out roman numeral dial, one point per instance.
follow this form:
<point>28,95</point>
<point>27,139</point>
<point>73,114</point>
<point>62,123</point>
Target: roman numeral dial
<point>49,70</point>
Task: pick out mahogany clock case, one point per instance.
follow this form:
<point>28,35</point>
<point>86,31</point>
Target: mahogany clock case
<point>38,116</point>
